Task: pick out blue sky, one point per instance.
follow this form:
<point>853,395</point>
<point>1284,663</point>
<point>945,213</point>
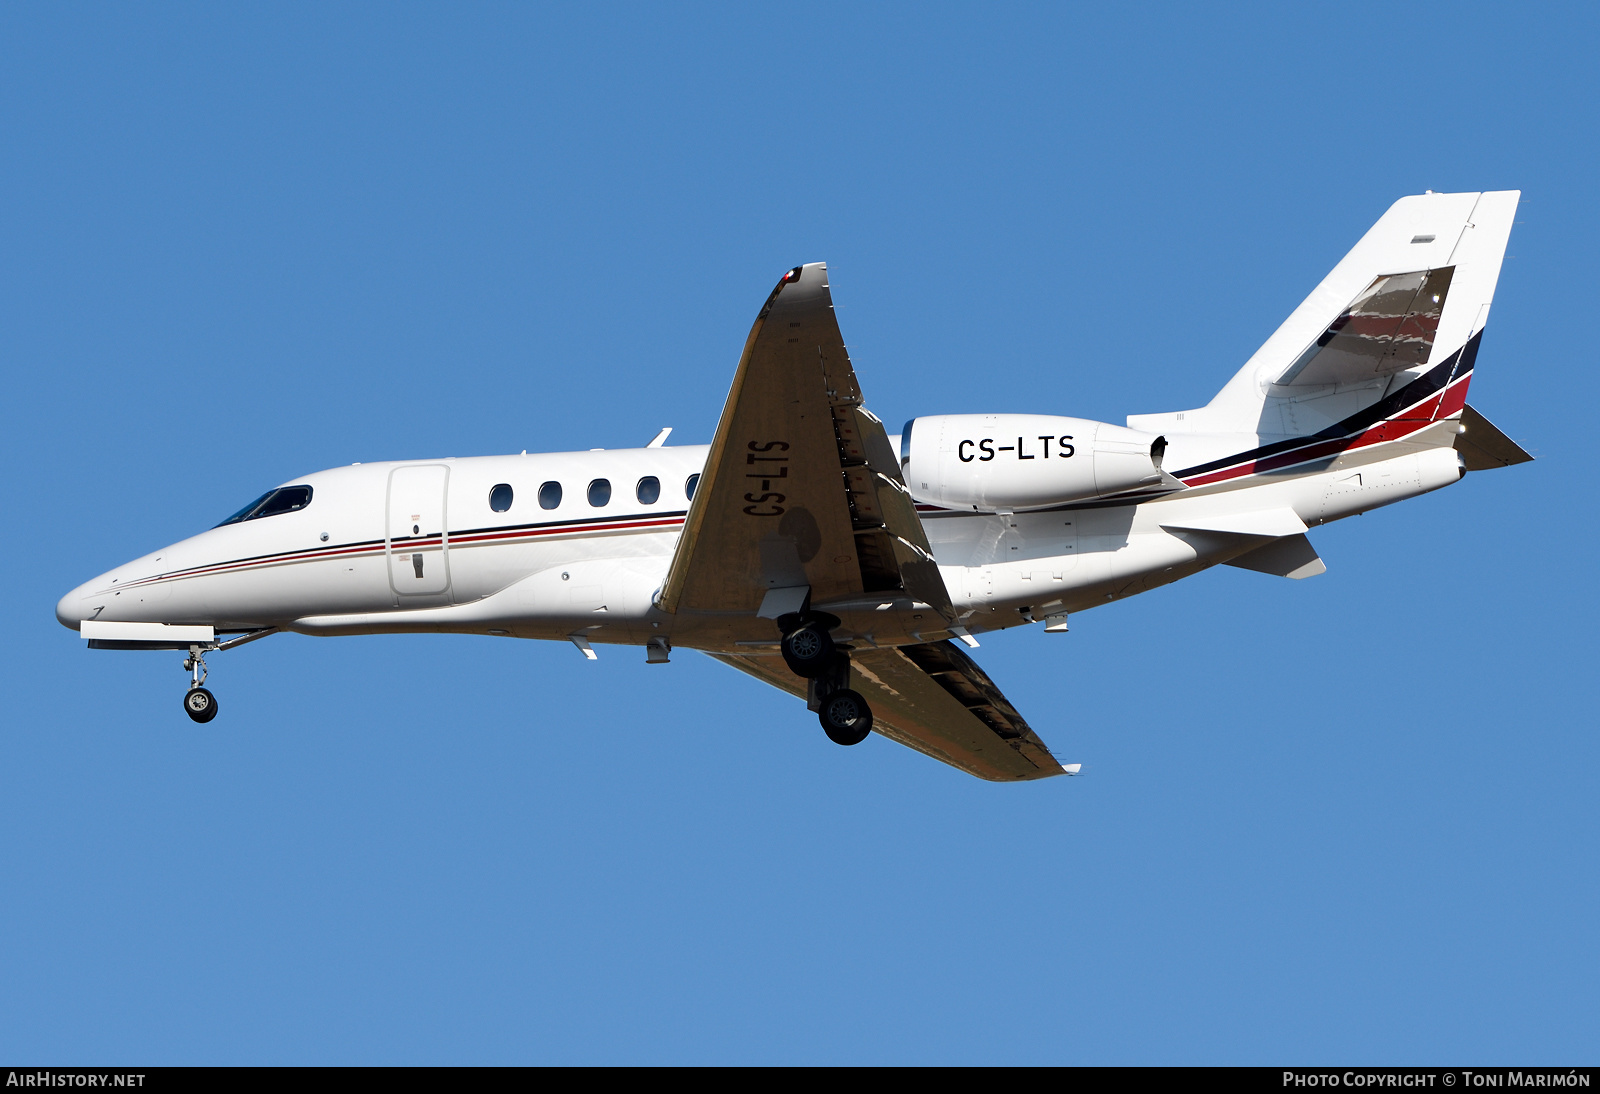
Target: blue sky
<point>1345,819</point>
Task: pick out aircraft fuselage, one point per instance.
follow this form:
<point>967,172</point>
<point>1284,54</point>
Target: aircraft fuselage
<point>419,546</point>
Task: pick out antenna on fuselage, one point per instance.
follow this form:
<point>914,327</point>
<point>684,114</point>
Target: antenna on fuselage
<point>661,438</point>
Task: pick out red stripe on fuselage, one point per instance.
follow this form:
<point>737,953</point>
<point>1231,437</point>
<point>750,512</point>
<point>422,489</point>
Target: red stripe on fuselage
<point>1408,421</point>
<point>1453,398</point>
<point>419,543</point>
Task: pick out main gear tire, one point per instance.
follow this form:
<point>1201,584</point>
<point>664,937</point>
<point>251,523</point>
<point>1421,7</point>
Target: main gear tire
<point>845,717</point>
<point>808,650</point>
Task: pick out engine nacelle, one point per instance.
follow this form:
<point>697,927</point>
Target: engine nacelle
<point>1024,461</point>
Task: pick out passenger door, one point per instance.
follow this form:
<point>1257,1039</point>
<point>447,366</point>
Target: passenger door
<point>418,541</point>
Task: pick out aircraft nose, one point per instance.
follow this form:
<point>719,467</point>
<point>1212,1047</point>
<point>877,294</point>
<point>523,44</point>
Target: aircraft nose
<point>71,609</point>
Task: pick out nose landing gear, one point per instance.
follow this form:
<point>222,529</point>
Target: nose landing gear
<point>198,703</point>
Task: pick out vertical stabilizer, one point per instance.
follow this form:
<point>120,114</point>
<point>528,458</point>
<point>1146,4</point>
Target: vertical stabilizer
<point>1401,314</point>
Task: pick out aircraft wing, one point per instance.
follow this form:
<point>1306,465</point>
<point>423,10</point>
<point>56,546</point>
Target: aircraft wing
<point>801,489</point>
<point>935,699</point>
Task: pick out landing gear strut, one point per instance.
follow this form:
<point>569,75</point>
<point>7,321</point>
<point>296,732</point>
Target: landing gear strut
<point>198,703</point>
<point>809,651</point>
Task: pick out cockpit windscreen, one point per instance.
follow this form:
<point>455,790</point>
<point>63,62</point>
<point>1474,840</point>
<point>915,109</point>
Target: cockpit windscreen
<point>285,499</point>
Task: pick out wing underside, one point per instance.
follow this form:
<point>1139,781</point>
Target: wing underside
<point>935,699</point>
<point>801,487</point>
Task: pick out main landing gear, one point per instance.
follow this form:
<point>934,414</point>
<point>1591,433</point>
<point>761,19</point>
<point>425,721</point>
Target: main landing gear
<point>845,717</point>
<point>198,703</point>
<point>808,648</point>
<point>809,651</point>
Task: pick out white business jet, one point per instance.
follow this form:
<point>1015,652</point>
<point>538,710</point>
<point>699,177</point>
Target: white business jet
<point>810,549</point>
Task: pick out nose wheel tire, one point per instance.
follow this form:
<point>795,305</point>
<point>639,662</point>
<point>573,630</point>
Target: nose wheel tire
<point>808,650</point>
<point>200,704</point>
<point>845,717</point>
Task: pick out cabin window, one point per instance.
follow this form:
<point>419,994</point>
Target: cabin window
<point>688,487</point>
<point>648,491</point>
<point>285,499</point>
<point>550,495</point>
<point>500,497</point>
<point>600,493</point>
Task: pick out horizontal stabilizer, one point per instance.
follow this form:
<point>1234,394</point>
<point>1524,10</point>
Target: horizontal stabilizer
<point>1483,447</point>
<point>1266,523</point>
<point>1291,556</point>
